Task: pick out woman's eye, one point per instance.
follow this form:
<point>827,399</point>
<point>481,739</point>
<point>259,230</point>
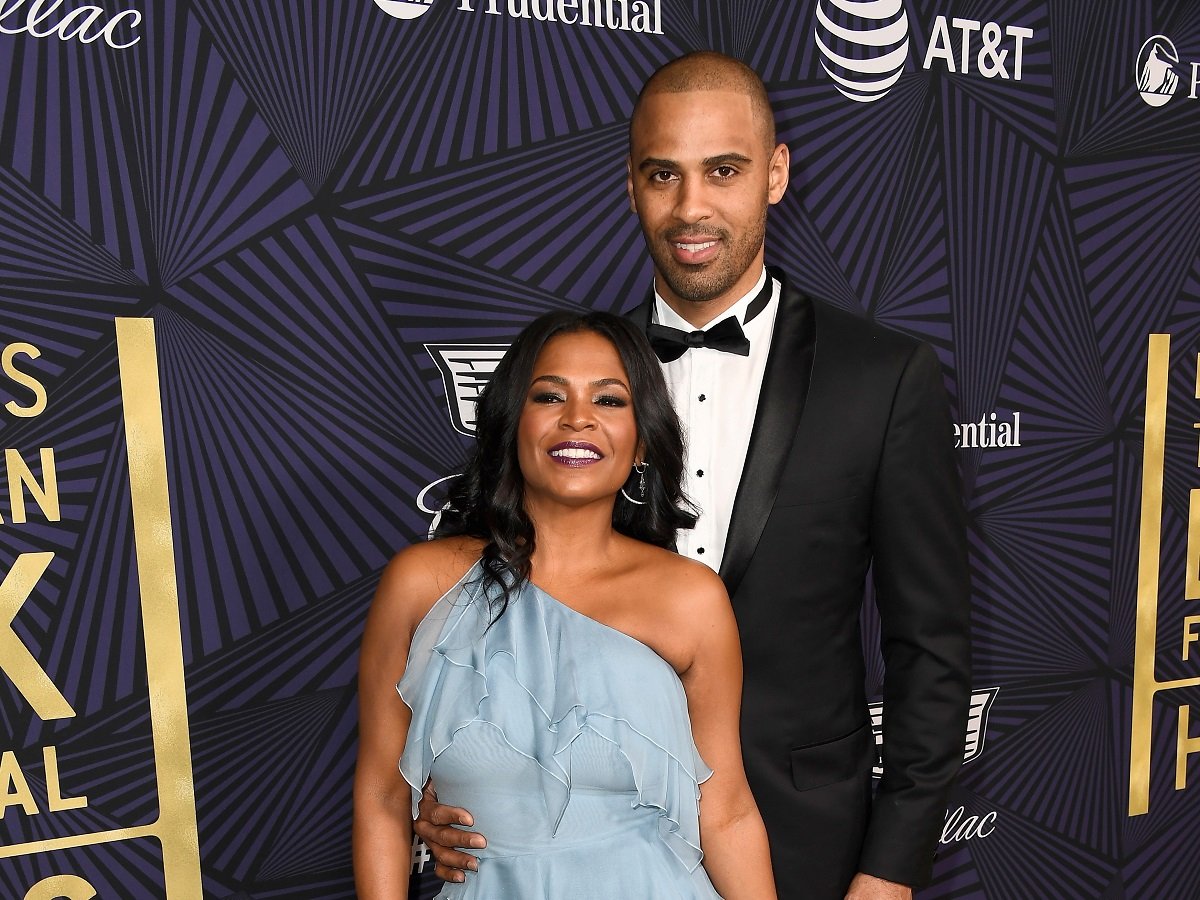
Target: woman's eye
<point>546,397</point>
<point>611,400</point>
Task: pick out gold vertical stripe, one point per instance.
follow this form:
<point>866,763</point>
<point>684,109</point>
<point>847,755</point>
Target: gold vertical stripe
<point>1153,450</point>
<point>1185,746</point>
<point>1191,563</point>
<point>153,540</point>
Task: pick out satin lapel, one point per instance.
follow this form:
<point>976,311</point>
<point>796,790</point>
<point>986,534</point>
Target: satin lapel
<point>640,314</point>
<point>780,403</point>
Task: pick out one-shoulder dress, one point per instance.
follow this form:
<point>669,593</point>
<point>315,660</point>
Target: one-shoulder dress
<point>569,742</point>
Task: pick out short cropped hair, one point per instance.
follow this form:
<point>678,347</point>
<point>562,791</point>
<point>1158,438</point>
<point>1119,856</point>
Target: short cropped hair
<point>708,70</point>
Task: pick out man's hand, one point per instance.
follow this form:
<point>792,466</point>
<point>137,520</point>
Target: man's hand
<point>435,825</point>
<point>868,887</point>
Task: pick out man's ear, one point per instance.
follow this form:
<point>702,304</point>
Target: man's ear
<point>778,173</point>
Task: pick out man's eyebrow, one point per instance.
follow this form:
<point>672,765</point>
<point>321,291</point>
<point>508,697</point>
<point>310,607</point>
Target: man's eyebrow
<point>724,159</point>
<point>653,162</point>
<point>711,162</point>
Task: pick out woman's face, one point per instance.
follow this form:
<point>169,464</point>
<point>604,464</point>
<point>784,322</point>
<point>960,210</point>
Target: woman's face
<point>577,436</point>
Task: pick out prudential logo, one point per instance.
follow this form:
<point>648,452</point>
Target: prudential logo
<point>863,45</point>
<point>404,9</point>
<point>1157,79</point>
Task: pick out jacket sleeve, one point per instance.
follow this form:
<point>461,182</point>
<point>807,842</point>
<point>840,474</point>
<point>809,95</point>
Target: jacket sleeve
<point>919,544</point>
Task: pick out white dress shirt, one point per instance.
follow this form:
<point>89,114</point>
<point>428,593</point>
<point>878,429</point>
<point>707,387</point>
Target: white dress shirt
<point>716,396</point>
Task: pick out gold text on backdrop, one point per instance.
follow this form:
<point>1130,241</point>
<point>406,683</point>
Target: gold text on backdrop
<point>1145,683</point>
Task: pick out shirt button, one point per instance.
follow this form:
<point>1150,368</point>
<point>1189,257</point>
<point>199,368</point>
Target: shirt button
<point>699,473</point>
<point>700,550</point>
<point>701,398</point>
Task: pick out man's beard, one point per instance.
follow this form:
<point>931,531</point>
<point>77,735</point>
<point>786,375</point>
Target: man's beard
<point>703,283</point>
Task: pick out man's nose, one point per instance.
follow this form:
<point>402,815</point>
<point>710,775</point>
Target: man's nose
<point>693,203</point>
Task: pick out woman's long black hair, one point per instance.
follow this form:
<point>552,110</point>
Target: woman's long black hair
<point>487,500</point>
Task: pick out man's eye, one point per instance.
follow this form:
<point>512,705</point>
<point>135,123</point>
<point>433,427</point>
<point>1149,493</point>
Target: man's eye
<point>662,177</point>
<point>724,171</point>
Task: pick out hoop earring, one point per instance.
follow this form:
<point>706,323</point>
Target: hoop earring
<point>640,468</point>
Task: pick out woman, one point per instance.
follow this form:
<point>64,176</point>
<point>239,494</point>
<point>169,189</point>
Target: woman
<point>549,649</point>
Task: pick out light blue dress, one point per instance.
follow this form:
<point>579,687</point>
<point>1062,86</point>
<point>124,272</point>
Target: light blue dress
<point>568,741</point>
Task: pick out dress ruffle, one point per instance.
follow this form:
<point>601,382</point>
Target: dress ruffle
<point>635,701</point>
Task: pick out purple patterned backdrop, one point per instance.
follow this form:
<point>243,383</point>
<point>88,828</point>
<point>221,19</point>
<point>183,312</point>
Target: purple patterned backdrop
<point>330,211</point>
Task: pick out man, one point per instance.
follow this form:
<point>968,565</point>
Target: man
<point>819,448</point>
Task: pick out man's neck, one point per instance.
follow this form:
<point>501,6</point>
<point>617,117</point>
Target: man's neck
<point>699,313</point>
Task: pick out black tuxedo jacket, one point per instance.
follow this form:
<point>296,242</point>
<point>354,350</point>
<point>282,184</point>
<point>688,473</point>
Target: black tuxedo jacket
<point>850,471</point>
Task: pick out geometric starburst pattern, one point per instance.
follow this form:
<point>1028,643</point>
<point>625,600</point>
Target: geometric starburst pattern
<point>304,196</point>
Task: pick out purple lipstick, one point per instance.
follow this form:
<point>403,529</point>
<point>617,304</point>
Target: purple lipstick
<point>575,453</point>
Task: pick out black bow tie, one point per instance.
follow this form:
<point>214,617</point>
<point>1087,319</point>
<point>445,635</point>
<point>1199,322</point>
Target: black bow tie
<point>671,343</point>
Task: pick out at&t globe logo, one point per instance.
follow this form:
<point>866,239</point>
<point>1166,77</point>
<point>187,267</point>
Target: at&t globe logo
<point>1157,79</point>
<point>863,44</point>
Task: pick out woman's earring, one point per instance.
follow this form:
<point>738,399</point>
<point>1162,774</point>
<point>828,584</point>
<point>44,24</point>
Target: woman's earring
<point>640,468</point>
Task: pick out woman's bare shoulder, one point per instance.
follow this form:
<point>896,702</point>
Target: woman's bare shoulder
<point>419,574</point>
<point>687,605</point>
<point>686,572</point>
<point>682,583</point>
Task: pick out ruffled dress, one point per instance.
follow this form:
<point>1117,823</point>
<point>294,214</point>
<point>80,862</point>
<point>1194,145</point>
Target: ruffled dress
<point>569,742</point>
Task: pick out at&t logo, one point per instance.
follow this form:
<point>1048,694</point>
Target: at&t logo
<point>864,46</point>
<point>874,43</point>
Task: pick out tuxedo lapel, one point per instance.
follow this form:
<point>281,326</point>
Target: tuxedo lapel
<point>780,403</point>
<point>640,314</point>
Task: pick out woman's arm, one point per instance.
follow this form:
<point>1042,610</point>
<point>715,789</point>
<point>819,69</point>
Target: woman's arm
<point>736,855</point>
<point>382,835</point>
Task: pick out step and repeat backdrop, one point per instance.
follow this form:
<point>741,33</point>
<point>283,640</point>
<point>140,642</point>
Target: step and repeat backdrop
<point>258,258</point>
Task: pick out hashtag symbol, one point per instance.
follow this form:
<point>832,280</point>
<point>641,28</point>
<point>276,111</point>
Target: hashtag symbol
<point>420,855</point>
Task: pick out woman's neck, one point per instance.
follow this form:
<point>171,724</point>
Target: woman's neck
<point>572,541</point>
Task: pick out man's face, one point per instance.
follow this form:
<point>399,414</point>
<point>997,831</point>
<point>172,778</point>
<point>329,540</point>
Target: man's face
<point>701,176</point>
